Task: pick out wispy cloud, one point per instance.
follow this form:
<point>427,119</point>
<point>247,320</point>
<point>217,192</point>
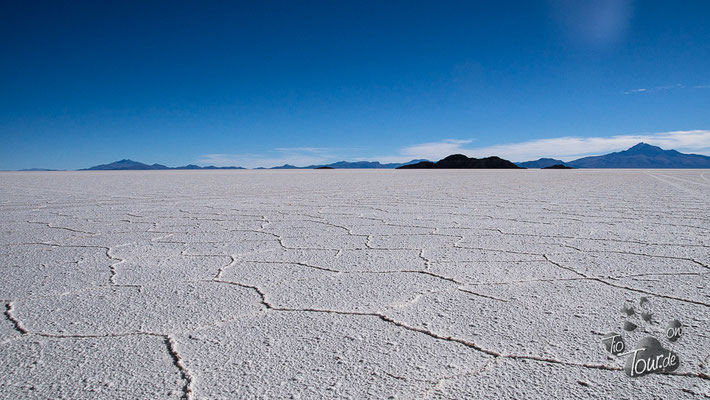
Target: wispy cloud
<point>564,148</point>
<point>434,149</point>
<point>256,160</point>
<point>641,90</point>
<point>298,156</point>
<point>664,88</point>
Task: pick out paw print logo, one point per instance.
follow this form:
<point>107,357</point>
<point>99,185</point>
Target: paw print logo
<point>648,355</point>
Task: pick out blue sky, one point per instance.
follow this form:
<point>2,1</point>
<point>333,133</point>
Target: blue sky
<point>265,83</point>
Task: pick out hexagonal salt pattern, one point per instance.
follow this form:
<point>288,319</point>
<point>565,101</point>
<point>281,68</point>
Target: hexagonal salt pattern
<point>350,284</point>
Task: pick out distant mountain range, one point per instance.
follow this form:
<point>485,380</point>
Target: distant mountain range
<point>460,161</point>
<point>125,164</point>
<point>642,155</point>
<point>350,165</point>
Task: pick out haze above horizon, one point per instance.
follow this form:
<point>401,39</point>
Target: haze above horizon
<point>270,83</point>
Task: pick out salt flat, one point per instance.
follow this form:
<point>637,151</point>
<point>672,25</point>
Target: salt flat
<point>349,283</point>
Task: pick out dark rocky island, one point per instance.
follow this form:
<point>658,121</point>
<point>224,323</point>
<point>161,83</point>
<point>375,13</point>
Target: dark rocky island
<point>460,161</point>
<point>558,166</point>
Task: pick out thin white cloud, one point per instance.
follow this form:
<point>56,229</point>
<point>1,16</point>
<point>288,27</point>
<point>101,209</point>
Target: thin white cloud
<point>659,89</point>
<point>564,148</point>
<point>298,156</point>
<point>434,149</point>
<point>641,90</point>
<point>255,160</point>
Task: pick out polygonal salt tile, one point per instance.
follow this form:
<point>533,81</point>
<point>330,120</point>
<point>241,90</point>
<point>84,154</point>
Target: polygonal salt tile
<point>457,254</point>
<point>136,366</point>
<point>620,265</point>
<point>337,242</point>
<point>381,229</point>
<point>244,248</point>
<point>167,271</point>
<point>516,379</point>
<point>319,355</point>
<point>429,241</point>
<point>178,307</point>
<point>483,272</point>
<point>374,260</point>
<point>43,280</point>
<point>296,286</point>
<point>542,319</point>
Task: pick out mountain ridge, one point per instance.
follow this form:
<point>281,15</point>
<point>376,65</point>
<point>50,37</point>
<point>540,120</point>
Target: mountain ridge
<point>130,165</point>
<point>351,165</point>
<point>540,163</point>
<point>641,155</point>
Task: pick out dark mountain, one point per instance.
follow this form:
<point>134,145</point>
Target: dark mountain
<point>324,167</point>
<point>558,166</point>
<point>37,169</point>
<point>460,161</point>
<point>643,155</point>
<point>541,163</point>
<point>421,164</point>
<point>125,165</point>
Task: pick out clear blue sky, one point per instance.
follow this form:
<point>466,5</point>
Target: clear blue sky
<point>263,83</point>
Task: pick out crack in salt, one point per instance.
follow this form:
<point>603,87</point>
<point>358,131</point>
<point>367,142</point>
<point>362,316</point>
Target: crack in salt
<point>453,339</point>
<point>184,371</point>
<point>170,344</point>
<point>232,262</point>
<point>15,322</point>
<point>605,282</point>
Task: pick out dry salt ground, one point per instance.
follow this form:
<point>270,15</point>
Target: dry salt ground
<point>349,284</point>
